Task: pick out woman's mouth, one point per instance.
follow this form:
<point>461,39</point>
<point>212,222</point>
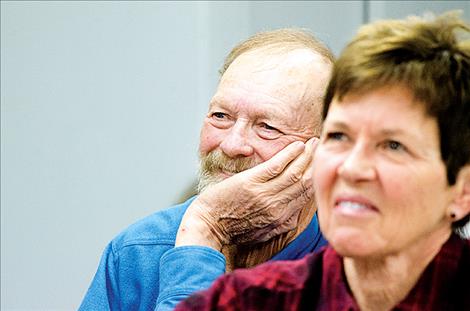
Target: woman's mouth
<point>354,207</point>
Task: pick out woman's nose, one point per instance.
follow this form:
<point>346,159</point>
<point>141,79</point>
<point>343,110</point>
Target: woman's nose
<point>358,165</point>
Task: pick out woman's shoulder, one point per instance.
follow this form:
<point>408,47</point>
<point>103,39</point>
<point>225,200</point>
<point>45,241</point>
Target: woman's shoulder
<point>281,274</point>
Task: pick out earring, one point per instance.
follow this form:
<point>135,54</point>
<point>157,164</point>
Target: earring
<point>452,215</point>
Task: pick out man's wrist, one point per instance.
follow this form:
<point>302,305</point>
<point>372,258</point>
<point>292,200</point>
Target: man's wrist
<point>193,231</point>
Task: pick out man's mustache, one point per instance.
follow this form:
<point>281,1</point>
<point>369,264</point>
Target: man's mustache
<point>215,162</point>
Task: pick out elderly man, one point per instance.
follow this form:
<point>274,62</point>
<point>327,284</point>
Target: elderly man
<point>255,199</point>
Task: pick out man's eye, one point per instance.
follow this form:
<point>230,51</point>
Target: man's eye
<point>268,127</point>
<point>218,115</point>
<point>267,131</point>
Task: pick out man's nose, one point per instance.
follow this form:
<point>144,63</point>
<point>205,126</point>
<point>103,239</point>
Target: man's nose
<point>237,141</point>
<point>358,165</point>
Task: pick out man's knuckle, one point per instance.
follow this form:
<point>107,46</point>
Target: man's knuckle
<point>295,177</point>
<point>275,170</point>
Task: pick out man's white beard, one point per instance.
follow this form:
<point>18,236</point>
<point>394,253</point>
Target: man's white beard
<point>214,163</point>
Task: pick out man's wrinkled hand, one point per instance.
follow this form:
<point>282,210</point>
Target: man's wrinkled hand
<point>254,205</point>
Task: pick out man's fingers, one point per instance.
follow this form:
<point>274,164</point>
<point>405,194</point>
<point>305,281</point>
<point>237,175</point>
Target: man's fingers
<point>297,170</point>
<point>276,165</point>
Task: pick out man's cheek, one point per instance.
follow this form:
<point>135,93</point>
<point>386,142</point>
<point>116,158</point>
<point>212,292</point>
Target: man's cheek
<point>210,139</point>
<point>268,149</point>
<point>206,145</point>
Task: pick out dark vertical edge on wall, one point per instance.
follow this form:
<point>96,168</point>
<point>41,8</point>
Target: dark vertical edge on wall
<point>365,11</point>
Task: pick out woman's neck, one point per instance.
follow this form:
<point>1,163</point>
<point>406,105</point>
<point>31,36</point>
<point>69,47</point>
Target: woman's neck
<point>381,283</point>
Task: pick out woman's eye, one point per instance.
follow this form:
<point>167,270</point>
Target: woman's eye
<point>336,136</point>
<point>394,145</point>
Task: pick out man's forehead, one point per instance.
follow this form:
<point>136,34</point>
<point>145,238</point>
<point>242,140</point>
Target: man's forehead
<point>300,70</point>
<point>278,79</point>
<point>238,95</point>
<point>266,59</point>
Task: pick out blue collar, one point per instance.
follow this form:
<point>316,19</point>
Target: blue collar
<point>310,240</point>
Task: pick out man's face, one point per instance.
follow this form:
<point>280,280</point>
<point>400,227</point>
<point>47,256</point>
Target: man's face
<point>263,103</point>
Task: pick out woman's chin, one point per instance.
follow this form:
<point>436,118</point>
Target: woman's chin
<point>354,243</point>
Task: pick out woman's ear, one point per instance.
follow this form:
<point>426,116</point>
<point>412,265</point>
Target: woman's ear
<point>460,207</point>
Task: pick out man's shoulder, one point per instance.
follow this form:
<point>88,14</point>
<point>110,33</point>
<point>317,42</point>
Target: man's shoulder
<point>157,228</point>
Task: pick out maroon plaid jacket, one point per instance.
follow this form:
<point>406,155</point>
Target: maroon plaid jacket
<point>317,282</point>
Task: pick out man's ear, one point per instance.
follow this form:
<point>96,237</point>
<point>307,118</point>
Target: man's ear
<point>460,207</point>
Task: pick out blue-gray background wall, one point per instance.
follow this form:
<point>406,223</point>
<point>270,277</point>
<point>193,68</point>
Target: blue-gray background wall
<point>101,104</point>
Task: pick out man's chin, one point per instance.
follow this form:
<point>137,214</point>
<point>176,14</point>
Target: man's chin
<point>206,181</point>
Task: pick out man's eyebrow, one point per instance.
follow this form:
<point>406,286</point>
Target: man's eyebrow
<point>225,104</point>
<point>217,102</point>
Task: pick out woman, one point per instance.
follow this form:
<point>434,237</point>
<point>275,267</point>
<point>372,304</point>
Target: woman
<point>392,182</point>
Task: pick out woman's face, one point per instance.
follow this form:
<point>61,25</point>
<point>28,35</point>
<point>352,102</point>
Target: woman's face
<point>380,182</point>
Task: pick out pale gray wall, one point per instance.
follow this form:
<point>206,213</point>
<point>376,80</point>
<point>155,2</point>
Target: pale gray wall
<point>398,9</point>
<point>101,104</point>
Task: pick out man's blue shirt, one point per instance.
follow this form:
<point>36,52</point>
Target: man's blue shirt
<point>142,270</point>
